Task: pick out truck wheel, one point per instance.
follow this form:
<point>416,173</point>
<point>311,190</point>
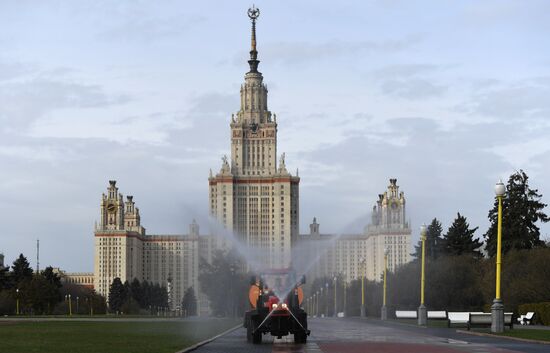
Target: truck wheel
<point>257,337</point>
<point>249,332</point>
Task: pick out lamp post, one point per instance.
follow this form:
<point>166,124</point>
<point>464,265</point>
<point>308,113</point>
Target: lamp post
<point>362,261</point>
<point>335,300</point>
<point>318,301</point>
<point>422,312</point>
<point>77,305</point>
<point>70,306</point>
<point>317,308</point>
<point>232,270</point>
<point>384,311</point>
<point>313,307</point>
<point>345,294</point>
<point>497,309</point>
<point>326,299</point>
<point>17,302</point>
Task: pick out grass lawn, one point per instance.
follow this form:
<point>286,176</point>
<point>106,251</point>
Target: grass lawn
<point>108,337</point>
<point>532,334</point>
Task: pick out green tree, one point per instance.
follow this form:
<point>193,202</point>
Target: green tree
<point>224,284</point>
<point>21,270</point>
<point>117,295</point>
<point>460,238</point>
<point>5,280</point>
<point>189,302</point>
<point>521,210</point>
<point>38,294</point>
<point>434,241</point>
<point>136,291</point>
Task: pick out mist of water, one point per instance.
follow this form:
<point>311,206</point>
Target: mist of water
<point>305,255</point>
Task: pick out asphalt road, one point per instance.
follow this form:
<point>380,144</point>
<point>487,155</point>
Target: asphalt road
<point>354,335</point>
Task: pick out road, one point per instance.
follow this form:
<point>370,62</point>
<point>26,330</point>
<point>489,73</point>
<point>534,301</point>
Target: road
<point>355,335</point>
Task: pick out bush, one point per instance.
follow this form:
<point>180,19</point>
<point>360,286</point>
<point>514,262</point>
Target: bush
<point>541,310</point>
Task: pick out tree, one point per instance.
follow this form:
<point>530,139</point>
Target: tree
<point>521,210</point>
<point>223,283</point>
<point>433,241</point>
<point>38,294</point>
<point>5,280</point>
<point>21,270</point>
<point>52,293</point>
<point>136,291</point>
<point>189,302</point>
<point>460,238</point>
<point>117,295</point>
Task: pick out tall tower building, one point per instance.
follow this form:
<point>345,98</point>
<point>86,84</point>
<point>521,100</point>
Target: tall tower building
<point>389,230</point>
<point>123,249</point>
<point>253,195</point>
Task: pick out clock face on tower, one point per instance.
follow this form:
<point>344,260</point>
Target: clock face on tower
<point>111,208</point>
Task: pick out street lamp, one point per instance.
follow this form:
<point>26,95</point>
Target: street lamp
<point>314,307</point>
<point>320,297</point>
<point>326,299</point>
<point>70,306</point>
<point>17,304</point>
<point>362,261</point>
<point>77,305</point>
<point>422,312</point>
<point>232,270</point>
<point>345,294</point>
<point>497,309</point>
<point>335,301</point>
<point>384,311</point>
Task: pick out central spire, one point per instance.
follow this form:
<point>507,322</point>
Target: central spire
<point>253,14</point>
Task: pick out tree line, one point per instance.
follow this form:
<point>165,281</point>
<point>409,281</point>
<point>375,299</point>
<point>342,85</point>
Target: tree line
<point>24,292</point>
<point>136,297</point>
<point>522,210</point>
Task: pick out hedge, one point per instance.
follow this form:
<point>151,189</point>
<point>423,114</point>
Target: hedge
<point>542,311</point>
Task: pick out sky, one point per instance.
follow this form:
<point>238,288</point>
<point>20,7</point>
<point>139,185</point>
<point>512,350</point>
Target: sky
<point>445,96</point>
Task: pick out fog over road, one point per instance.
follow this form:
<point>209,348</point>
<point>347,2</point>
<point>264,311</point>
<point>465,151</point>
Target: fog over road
<point>354,335</point>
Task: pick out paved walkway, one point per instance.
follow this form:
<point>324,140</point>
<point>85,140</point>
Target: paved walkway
<point>354,335</point>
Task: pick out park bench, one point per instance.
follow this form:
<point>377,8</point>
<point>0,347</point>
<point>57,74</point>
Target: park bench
<point>405,314</point>
<point>437,315</point>
<point>458,318</point>
<point>485,319</point>
<point>527,318</point>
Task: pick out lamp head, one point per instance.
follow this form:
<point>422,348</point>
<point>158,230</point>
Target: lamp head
<point>386,251</point>
<point>423,231</point>
<point>500,189</point>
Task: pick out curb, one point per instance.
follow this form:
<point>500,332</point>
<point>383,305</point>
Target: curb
<point>482,334</point>
<point>208,340</point>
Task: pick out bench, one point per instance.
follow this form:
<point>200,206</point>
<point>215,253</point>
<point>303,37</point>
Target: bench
<point>405,314</point>
<point>486,319</point>
<point>527,318</point>
<point>437,315</point>
<point>458,318</point>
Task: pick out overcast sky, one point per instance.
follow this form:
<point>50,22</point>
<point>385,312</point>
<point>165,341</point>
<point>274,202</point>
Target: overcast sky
<point>447,97</point>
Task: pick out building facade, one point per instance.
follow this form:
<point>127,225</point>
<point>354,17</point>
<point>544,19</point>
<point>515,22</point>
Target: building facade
<point>123,249</point>
<point>355,255</point>
<point>389,231</point>
<point>254,196</point>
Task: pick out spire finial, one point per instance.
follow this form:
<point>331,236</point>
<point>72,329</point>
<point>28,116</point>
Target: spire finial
<point>253,14</point>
